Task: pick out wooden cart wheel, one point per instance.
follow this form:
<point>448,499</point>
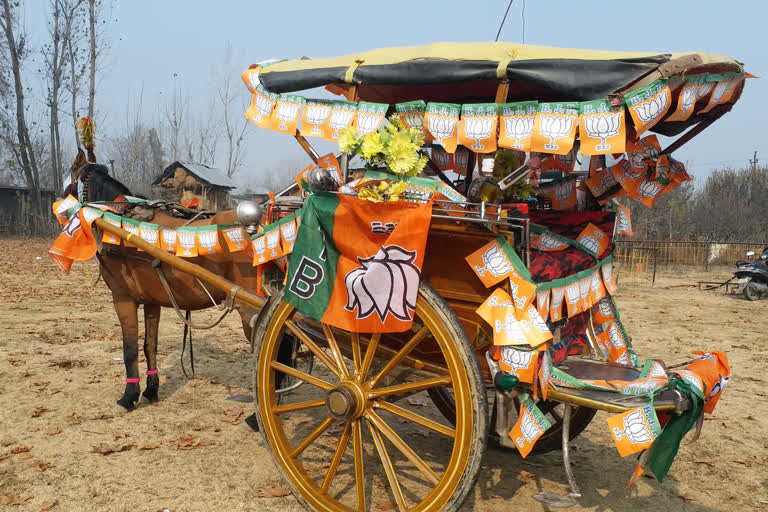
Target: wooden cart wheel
<point>341,440</point>
<point>551,440</point>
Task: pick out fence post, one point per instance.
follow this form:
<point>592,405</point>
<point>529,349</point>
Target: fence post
<point>706,255</point>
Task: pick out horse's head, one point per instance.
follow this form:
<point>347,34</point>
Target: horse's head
<point>91,182</point>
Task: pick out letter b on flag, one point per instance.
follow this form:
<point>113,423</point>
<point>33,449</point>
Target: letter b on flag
<point>306,279</point>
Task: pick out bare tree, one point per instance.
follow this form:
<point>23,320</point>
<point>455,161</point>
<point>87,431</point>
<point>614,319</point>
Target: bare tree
<point>175,114</point>
<point>92,14</point>
<point>22,148</point>
<point>74,22</point>
<point>231,103</point>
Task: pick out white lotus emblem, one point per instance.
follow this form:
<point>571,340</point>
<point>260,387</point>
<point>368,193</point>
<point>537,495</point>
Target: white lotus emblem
<point>186,241</point>
<point>169,237</point>
<point>264,105</point>
<point>704,89</point>
<point>635,429</point>
<point>623,358</point>
<point>623,222</point>
<point>341,116</point>
<point>605,307</point>
<point>649,111</point>
<point>287,112</point>
<point>649,188</point>
<point>530,429</point>
<point>289,234</point>
<point>546,242</point>
<point>517,359</point>
<point>615,336</point>
<point>441,158</point>
<point>414,120</point>
<point>441,127</point>
<point>386,283</point>
<point>603,127</point>
<point>260,248</point>
<point>367,122</point>
<point>273,240</point>
<point>519,128</point>
<point>149,235</point>
<point>565,191</point>
<point>572,293</point>
<point>688,98</point>
<point>555,127</point>
<point>591,242</point>
<point>134,230</point>
<point>317,114</point>
<point>511,327</point>
<point>495,262</point>
<point>478,128</point>
<point>235,235</point>
<point>208,239</point>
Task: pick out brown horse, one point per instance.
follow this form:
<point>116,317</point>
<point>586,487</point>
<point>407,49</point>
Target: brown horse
<point>130,276</point>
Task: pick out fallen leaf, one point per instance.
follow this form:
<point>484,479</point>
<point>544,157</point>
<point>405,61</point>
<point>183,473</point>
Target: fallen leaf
<point>74,417</point>
<point>121,435</point>
<point>526,474</point>
<point>378,482</point>
<point>740,461</point>
<point>13,499</point>
<point>26,374</point>
<point>104,449</point>
<point>687,496</point>
<point>148,446</point>
<point>272,492</point>
<point>233,415</point>
<point>52,431</point>
<point>707,462</point>
<point>48,505</point>
<point>385,506</point>
<point>25,456</point>
<point>20,449</point>
<point>315,466</point>
<point>40,466</point>
<point>38,411</point>
<point>494,497</point>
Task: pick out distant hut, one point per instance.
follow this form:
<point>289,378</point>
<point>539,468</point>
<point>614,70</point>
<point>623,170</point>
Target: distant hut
<point>195,184</point>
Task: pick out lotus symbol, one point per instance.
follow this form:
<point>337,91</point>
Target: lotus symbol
<point>73,225</point>
<point>495,262</point>
<point>511,327</point>
<point>720,89</point>
<point>605,308</point>
<point>235,235</point>
<point>555,127</point>
<point>273,240</point>
<point>529,428</point>
<point>478,128</point>
<point>687,98</point>
<point>263,105</point>
<point>585,285</point>
<point>186,241</point>
<point>607,273</point>
<point>649,188</point>
<point>341,116</point>
<point>546,242</point>
<point>289,234</point>
<point>603,126</point>
<point>572,293</point>
<point>516,359</point>
<point>367,122</point>
<point>134,230</point>
<point>169,237</point>
<point>565,191</point>
<point>387,283</point>
<point>519,128</point>
<point>635,428</point>
<point>317,114</point>
<point>704,90</point>
<point>208,239</point>
<point>536,322</point>
<point>414,120</point>
<point>462,160</point>
<point>623,359</point>
<point>441,159</point>
<point>591,242</point>
<point>615,336</point>
<point>595,283</point>
<point>253,79</point>
<point>648,111</point>
<point>441,127</point>
<point>149,235</point>
<point>260,248</point>
<point>607,180</point>
<point>286,112</point>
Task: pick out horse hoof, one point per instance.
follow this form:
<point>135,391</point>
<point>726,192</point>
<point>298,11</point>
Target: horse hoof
<point>127,403</point>
<point>151,396</point>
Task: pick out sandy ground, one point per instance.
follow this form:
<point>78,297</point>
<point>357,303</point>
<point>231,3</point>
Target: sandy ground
<point>61,372</point>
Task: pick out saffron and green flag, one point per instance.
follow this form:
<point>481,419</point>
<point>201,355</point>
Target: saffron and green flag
<point>356,265</point>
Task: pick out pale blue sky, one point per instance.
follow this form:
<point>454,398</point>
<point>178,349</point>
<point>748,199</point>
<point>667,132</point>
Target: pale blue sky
<point>152,40</point>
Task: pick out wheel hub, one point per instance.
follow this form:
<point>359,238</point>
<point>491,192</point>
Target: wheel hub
<point>345,401</point>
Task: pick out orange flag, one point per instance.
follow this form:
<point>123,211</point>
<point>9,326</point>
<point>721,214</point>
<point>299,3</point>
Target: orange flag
<point>602,128</point>
<point>168,241</point>
<point>648,105</point>
<point>342,115</point>
<point>491,263</point>
<point>623,221</point>
<point>442,121</point>
<point>521,363</point>
<point>369,117</point>
<point>593,239</point>
<point>609,279</point>
<point>235,236</point>
<point>555,127</point>
<point>499,298</point>
<point>107,237</point>
<point>556,304</point>
<point>634,430</point>
<point>285,116</point>
<point>531,425</point>
<point>477,130</point>
<point>186,242</point>
<point>516,124</point>
<point>686,100</point>
<point>314,118</point>
<point>542,304</point>
<point>76,241</point>
<point>712,368</point>
<point>208,240</point>
<point>60,208</point>
<point>150,233</point>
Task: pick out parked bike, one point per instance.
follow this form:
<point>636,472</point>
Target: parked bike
<point>753,275</point>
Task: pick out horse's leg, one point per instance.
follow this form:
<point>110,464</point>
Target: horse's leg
<point>127,312</point>
<point>151,322</point>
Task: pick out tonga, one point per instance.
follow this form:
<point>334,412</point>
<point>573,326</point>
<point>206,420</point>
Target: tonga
<point>402,419</point>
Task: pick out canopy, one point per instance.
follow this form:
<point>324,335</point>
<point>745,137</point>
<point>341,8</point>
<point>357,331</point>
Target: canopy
<point>466,72</point>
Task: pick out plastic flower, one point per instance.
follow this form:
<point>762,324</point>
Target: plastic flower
<point>401,154</point>
<point>396,190</point>
<point>383,186</point>
<point>347,139</point>
<point>417,136</point>
<point>420,164</point>
<point>369,195</point>
<point>371,146</point>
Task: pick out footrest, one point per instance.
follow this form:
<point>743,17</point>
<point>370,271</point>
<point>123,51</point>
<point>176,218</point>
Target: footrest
<point>666,400</point>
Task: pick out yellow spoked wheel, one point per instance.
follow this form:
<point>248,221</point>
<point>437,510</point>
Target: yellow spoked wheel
<point>361,432</point>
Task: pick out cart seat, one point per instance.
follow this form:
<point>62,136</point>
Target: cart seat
<point>587,369</point>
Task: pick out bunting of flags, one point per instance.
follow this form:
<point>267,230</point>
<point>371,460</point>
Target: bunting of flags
<point>600,125</point>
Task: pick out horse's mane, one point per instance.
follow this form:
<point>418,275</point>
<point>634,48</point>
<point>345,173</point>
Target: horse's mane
<point>99,185</point>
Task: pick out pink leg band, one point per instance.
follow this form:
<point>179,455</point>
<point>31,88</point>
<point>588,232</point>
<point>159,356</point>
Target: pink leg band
<point>132,381</point>
<point>151,372</point>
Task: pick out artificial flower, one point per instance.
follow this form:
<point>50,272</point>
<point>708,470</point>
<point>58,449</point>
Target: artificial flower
<point>371,145</point>
<point>348,139</point>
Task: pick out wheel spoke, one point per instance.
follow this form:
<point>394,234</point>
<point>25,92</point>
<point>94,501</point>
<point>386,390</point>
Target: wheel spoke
<point>415,340</point>
<point>416,418</point>
<point>335,350</point>
<point>408,387</point>
<point>343,441</point>
<point>311,438</point>
<point>356,356</point>
<point>309,379</point>
<point>357,446</point>
<point>311,345</point>
<point>370,351</point>
<point>394,484</point>
<point>402,446</point>
<point>299,406</point>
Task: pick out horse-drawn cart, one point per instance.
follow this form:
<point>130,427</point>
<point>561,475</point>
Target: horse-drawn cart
<point>412,310</point>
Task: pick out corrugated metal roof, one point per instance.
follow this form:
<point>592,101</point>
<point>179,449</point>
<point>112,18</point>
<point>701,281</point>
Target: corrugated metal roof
<point>209,175</point>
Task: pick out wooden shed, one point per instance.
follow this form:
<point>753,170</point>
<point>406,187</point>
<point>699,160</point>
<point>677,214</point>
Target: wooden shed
<point>183,182</point>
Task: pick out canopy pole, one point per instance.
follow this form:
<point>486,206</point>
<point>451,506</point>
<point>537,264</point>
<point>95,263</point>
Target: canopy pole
<point>306,146</point>
<point>344,162</point>
<point>502,90</point>
<point>687,136</point>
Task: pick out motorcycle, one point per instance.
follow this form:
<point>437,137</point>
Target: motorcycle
<point>753,275</point>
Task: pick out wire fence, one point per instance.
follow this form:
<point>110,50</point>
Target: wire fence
<point>700,254</point>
